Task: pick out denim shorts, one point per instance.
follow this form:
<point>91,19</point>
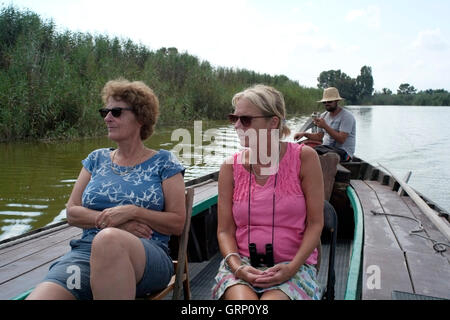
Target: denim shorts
<point>72,271</point>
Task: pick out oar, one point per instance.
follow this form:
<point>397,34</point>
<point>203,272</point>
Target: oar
<point>423,206</point>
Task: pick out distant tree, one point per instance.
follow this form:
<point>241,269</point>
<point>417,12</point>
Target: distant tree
<point>345,84</point>
<point>406,88</point>
<point>431,91</point>
<point>330,78</point>
<point>353,90</point>
<point>386,91</point>
<point>364,83</point>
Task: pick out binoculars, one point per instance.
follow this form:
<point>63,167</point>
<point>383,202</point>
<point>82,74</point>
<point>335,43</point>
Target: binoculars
<point>259,259</point>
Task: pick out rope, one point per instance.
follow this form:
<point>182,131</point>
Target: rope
<point>398,215</point>
<point>437,246</point>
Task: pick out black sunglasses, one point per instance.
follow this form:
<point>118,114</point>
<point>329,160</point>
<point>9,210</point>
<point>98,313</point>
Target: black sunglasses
<point>245,120</point>
<point>116,112</point>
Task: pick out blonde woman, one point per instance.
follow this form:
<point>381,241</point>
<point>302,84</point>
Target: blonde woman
<point>270,214</point>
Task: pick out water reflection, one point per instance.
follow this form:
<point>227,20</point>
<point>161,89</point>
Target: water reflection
<point>37,177</point>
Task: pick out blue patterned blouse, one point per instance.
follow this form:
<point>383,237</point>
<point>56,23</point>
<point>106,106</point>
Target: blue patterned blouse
<point>142,186</point>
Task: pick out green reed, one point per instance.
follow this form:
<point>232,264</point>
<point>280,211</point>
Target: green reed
<point>50,81</point>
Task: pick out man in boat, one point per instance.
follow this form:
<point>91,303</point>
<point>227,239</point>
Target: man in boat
<point>336,128</point>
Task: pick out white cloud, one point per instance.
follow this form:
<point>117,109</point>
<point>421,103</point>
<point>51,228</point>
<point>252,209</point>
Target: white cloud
<point>371,16</point>
<point>432,40</point>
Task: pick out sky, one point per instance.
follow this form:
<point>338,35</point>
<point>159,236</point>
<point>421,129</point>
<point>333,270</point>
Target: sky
<point>403,41</point>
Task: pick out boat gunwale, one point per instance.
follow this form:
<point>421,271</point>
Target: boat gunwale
<point>354,272</point>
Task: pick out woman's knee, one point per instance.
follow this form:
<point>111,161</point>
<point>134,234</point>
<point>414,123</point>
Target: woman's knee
<point>112,245</point>
<point>50,291</point>
<point>107,243</point>
<point>240,292</point>
<point>274,295</point>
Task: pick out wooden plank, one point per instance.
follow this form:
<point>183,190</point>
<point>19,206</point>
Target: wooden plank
<point>383,257</point>
<point>390,266</point>
<point>205,198</point>
<point>31,247</point>
<point>393,204</point>
<point>21,241</point>
<point>33,261</point>
<point>442,225</point>
<point>431,231</point>
<point>16,286</point>
<point>205,192</point>
<point>377,231</point>
<point>430,274</point>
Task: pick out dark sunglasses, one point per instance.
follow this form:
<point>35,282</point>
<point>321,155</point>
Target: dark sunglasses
<point>245,120</point>
<point>116,112</point>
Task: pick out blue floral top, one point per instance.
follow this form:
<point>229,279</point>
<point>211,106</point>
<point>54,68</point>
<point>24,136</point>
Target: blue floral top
<point>141,186</point>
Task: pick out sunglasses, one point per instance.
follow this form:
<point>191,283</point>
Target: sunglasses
<point>245,120</point>
<point>116,112</point>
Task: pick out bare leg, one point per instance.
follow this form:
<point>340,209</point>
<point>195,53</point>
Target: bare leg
<point>240,292</point>
<point>274,295</point>
<point>117,264</point>
<point>50,291</point>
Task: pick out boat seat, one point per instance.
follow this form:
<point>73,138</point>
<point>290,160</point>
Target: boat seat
<point>180,280</point>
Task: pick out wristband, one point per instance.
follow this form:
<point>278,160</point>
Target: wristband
<point>229,255</point>
<point>238,268</point>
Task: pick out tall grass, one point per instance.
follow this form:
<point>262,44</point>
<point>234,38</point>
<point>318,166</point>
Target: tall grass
<point>50,81</point>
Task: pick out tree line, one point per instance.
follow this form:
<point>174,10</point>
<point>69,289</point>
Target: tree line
<point>360,90</point>
<point>50,81</point>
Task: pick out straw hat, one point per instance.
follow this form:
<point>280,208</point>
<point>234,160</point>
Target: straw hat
<point>331,94</point>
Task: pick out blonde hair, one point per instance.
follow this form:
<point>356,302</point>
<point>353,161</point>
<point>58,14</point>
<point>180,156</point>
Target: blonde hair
<point>269,100</point>
<point>139,97</point>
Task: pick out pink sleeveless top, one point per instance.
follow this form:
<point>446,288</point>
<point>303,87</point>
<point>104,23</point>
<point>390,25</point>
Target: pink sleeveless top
<point>290,208</point>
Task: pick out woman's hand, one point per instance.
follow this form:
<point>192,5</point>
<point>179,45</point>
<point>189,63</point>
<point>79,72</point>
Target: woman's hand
<point>275,275</point>
<point>113,217</point>
<point>249,274</point>
<point>140,230</point>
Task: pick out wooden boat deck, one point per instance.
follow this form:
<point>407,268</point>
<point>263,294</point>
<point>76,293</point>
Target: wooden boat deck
<point>24,262</point>
<point>396,260</point>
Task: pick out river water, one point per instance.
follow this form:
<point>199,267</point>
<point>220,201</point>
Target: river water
<point>36,178</point>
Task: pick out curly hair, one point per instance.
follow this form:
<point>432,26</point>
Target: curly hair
<point>139,97</point>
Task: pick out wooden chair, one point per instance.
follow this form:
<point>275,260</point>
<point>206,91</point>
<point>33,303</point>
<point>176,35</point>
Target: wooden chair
<point>180,280</point>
